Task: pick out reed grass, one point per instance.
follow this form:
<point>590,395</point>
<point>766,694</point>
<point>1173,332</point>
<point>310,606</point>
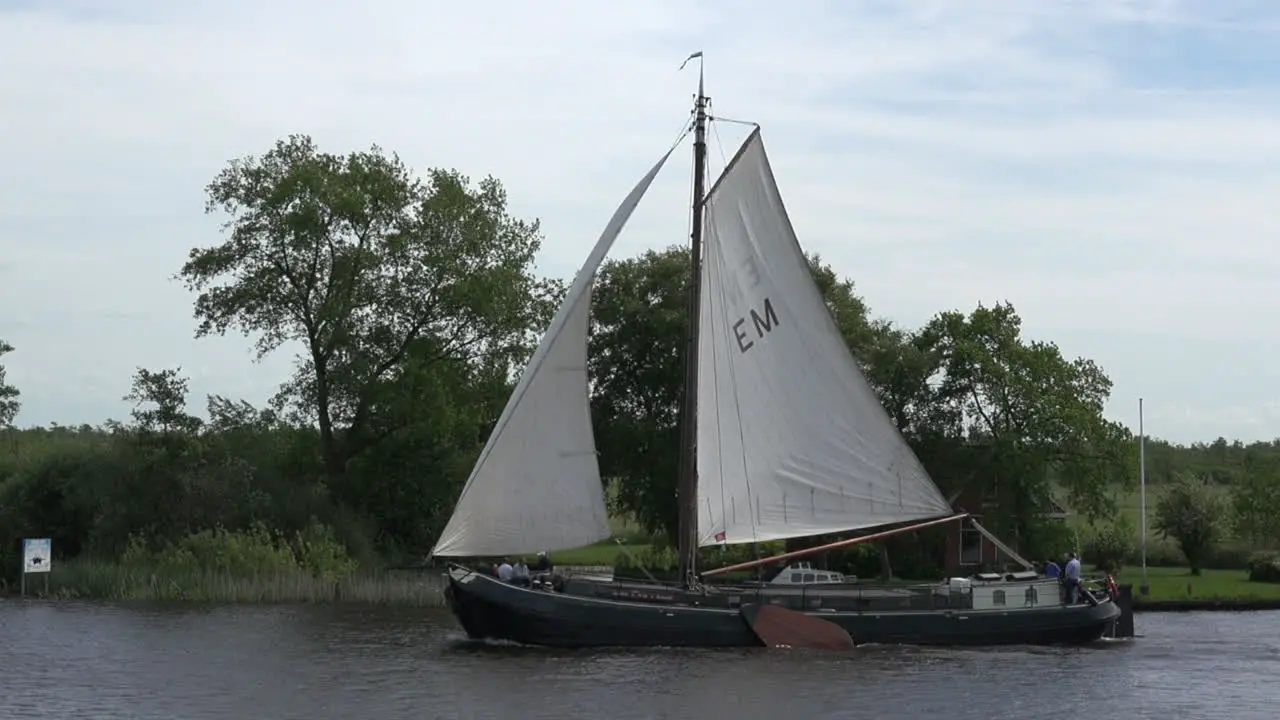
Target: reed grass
<point>98,580</point>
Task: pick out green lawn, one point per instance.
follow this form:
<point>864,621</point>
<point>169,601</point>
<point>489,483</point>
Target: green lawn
<point>602,553</point>
<point>1180,584</point>
<point>605,552</point>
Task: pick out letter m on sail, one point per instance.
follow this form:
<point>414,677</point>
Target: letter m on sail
<point>764,322</point>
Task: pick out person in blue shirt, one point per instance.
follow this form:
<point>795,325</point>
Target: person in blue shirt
<point>1051,570</point>
<point>1071,579</point>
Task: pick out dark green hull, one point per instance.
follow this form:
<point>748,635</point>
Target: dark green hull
<point>639,615</point>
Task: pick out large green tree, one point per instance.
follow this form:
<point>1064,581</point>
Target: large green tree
<point>381,277</point>
<point>1015,421</point>
<point>9,404</point>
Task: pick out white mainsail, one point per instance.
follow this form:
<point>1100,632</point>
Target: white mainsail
<point>536,485</point>
<point>792,441</point>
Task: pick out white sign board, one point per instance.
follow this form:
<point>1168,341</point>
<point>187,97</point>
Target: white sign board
<point>37,555</point>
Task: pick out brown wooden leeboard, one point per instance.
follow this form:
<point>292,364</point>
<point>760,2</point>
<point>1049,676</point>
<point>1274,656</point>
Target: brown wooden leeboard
<point>779,627</point>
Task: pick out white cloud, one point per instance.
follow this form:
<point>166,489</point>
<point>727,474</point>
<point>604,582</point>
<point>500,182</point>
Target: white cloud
<point>1096,163</point>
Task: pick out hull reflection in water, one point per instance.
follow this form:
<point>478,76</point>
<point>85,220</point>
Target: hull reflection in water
<point>620,614</point>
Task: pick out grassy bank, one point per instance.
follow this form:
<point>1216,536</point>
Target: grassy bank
<point>1178,584</point>
<point>633,539</point>
<point>95,580</point>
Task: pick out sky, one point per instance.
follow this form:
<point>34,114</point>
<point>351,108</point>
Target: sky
<point>1110,167</point>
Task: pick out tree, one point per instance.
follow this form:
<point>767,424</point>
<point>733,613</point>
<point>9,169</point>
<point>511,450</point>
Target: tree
<point>1255,501</point>
<point>1016,420</point>
<point>379,276</point>
<point>1111,545</point>
<point>1190,512</point>
<point>9,404</point>
<point>900,366</point>
<point>160,402</point>
<point>639,314</point>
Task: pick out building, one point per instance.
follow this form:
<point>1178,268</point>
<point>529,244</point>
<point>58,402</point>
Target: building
<point>967,550</point>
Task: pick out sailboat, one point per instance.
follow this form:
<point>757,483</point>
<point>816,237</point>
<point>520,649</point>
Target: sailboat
<point>781,437</point>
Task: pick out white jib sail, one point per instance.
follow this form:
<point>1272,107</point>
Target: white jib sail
<point>536,485</point>
<point>792,441</point>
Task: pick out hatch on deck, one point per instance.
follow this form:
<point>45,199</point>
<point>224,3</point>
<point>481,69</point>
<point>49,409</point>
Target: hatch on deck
<point>804,573</point>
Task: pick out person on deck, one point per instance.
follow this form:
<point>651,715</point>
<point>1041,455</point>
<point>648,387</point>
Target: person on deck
<point>543,563</point>
<point>1071,579</point>
<point>1051,570</point>
<point>520,573</point>
<point>505,571</point>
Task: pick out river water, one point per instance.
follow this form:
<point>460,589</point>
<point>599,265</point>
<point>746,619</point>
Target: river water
<point>98,661</point>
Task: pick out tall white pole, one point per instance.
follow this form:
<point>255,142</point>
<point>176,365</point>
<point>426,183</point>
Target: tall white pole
<point>1142,485</point>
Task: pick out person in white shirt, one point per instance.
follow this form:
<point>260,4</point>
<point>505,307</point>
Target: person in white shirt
<point>505,571</point>
<point>520,573</point>
<point>1071,579</point>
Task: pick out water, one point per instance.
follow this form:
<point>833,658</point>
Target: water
<point>106,662</point>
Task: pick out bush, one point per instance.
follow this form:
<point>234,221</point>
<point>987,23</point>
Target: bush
<point>863,560</point>
<point>254,552</point>
<point>241,553</point>
<point>1110,546</point>
<point>1264,567</point>
<point>318,552</point>
<point>1229,557</point>
<point>1233,556</point>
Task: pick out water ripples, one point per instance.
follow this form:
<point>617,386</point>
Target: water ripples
<point>200,663</point>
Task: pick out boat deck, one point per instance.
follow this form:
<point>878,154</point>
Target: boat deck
<point>858,597</point>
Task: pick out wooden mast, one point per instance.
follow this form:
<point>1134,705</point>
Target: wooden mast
<point>687,480</point>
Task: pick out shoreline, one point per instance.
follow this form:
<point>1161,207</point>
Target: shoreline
<point>404,587</point>
<point>1206,605</point>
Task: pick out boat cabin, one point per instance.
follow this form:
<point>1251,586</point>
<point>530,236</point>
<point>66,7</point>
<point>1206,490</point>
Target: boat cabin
<point>804,573</point>
<point>993,591</point>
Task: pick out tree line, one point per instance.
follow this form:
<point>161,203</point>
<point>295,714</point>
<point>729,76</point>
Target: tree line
<point>411,303</point>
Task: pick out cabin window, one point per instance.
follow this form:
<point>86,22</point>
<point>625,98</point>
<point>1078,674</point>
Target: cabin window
<point>970,545</point>
<point>823,577</point>
<point>837,577</point>
<point>808,577</point>
<point>997,597</point>
<point>796,578</point>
